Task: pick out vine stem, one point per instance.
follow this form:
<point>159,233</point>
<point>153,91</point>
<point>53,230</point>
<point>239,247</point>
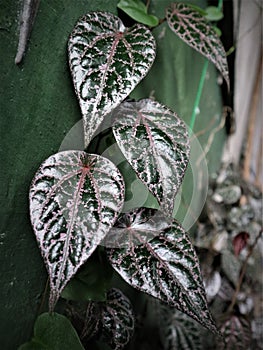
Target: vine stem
<point>242,273</point>
<point>198,97</point>
<point>200,86</point>
<point>220,4</point>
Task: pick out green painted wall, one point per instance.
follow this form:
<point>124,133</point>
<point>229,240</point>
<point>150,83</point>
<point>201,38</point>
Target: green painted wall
<point>38,107</point>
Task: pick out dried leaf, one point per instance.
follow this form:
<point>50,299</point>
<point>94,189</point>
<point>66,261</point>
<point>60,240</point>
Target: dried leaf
<point>155,142</point>
<point>107,61</point>
<point>198,33</point>
<point>240,242</point>
<point>117,319</point>
<point>165,267</point>
<point>75,199</point>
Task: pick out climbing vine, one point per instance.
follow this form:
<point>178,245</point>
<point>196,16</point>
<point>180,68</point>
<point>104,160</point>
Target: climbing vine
<point>76,197</point>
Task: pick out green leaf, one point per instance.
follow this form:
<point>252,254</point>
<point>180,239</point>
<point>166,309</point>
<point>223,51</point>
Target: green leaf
<point>91,282</point>
<point>32,345</point>
<point>75,199</point>
<point>107,61</point>
<point>155,142</point>
<point>213,13</point>
<point>198,9</point>
<point>159,259</point>
<point>218,31</point>
<point>198,33</point>
<point>137,10</point>
<point>53,332</point>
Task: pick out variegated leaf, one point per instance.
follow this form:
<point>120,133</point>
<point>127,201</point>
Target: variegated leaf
<point>107,61</point>
<point>165,267</point>
<point>75,199</point>
<point>147,223</point>
<point>198,33</point>
<point>236,333</point>
<point>86,319</point>
<point>117,319</point>
<point>155,142</point>
<point>178,331</point>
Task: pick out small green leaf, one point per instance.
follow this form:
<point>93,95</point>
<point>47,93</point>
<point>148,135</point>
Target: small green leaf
<point>137,10</point>
<point>198,9</point>
<point>53,332</point>
<point>213,13</point>
<point>32,345</point>
<point>218,31</point>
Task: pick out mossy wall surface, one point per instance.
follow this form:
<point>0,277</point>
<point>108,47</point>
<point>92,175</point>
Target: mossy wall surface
<point>38,107</point>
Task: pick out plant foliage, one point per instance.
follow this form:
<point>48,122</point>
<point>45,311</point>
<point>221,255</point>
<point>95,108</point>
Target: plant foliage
<point>155,142</point>
<point>178,331</point>
<point>137,10</point>
<point>53,331</point>
<point>197,32</point>
<point>117,319</point>
<point>76,197</point>
<point>165,266</point>
<point>107,61</point>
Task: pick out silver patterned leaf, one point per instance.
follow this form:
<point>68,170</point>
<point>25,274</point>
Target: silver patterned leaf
<point>107,61</point>
<point>198,33</point>
<point>117,319</point>
<point>75,199</point>
<point>155,142</point>
<point>148,223</point>
<point>166,267</point>
<point>237,334</point>
<point>178,331</point>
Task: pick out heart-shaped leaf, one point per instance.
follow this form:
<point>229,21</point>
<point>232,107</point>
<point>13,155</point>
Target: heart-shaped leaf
<point>107,61</point>
<point>53,331</point>
<point>236,333</point>
<point>117,319</point>
<point>137,10</point>
<point>155,142</point>
<point>178,331</point>
<point>148,224</point>
<point>86,319</point>
<point>213,13</point>
<point>165,267</point>
<point>75,199</point>
<point>198,33</point>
